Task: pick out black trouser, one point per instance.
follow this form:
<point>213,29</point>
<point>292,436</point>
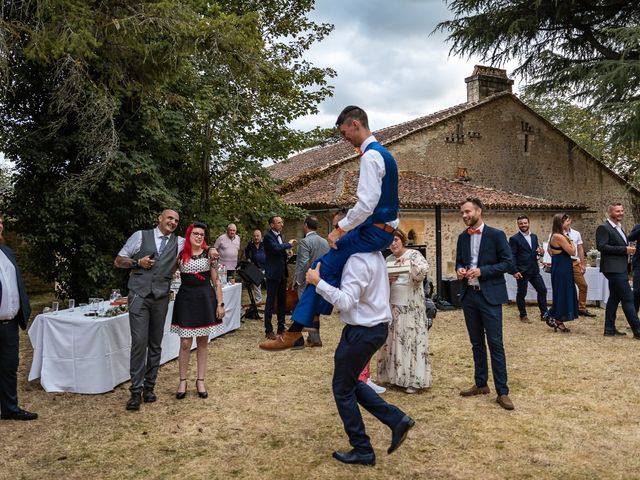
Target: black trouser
<point>275,289</point>
<point>9,359</point>
<point>636,287</point>
<point>357,346</point>
<point>620,292</point>
<point>536,281</point>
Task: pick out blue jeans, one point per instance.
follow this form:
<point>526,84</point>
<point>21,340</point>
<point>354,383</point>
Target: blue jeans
<point>482,319</point>
<point>362,239</point>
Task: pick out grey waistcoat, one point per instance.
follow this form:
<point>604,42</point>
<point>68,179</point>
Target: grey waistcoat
<point>157,280</point>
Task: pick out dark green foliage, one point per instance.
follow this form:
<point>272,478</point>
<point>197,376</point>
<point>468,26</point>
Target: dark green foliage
<point>113,110</point>
<point>584,50</point>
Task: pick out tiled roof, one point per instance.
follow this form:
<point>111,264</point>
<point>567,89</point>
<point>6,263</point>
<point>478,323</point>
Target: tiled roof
<point>417,191</point>
<point>306,165</point>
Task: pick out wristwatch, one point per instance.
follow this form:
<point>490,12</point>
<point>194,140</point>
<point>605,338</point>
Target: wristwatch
<point>135,263</point>
<point>221,304</point>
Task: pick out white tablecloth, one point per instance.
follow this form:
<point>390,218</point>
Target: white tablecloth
<point>75,353</point>
<point>598,290</point>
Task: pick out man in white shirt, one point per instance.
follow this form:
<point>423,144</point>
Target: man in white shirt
<point>14,313</point>
<point>363,301</point>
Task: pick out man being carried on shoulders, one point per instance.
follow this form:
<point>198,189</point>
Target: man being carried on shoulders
<point>367,227</point>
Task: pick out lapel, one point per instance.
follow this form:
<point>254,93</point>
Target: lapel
<point>616,233</point>
<point>466,247</point>
<point>524,241</point>
<point>483,242</point>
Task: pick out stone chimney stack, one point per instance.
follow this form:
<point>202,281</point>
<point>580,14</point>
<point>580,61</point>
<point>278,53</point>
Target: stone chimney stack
<point>486,81</point>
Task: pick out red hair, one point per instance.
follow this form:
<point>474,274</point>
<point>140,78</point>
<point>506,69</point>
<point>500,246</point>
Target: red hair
<point>185,256</point>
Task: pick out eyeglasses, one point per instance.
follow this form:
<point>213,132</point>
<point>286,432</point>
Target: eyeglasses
<point>197,234</point>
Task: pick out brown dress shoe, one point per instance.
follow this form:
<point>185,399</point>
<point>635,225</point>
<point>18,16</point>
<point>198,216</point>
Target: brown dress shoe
<point>293,340</point>
<point>270,335</point>
<point>311,343</point>
<point>475,391</point>
<point>525,319</point>
<point>505,402</point>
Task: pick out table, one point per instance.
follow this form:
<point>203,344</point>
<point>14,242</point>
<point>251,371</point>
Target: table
<point>75,353</point>
<point>598,287</point>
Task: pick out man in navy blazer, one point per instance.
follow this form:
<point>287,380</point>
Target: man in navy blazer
<point>14,312</point>
<point>275,271</point>
<point>614,248</point>
<point>525,251</point>
<point>483,257</point>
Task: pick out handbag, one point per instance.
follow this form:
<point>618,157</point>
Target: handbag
<point>291,302</point>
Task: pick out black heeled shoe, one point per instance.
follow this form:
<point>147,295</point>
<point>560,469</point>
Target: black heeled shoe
<point>550,321</point>
<point>204,394</point>
<point>560,326</point>
<point>181,395</point>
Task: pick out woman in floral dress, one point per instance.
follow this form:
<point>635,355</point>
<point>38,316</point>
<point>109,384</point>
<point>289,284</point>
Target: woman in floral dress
<point>404,358</point>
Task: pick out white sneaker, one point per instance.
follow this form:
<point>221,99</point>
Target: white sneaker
<point>376,388</point>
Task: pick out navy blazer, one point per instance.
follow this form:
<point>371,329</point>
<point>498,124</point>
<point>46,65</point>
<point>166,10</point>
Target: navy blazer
<point>612,248</point>
<point>494,260</point>
<point>525,257</point>
<point>25,308</point>
<point>634,236</point>
<point>276,253</point>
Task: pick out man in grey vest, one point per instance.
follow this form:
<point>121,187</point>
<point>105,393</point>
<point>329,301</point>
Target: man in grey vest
<point>310,248</point>
<point>151,257</point>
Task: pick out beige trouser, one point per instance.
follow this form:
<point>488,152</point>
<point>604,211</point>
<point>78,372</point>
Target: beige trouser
<point>578,278</point>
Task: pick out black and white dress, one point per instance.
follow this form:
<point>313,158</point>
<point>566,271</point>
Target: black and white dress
<point>194,311</point>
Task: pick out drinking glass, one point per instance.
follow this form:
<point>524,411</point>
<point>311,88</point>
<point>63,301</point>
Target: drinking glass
<point>72,304</point>
<point>55,307</point>
<point>101,306</point>
<point>93,305</point>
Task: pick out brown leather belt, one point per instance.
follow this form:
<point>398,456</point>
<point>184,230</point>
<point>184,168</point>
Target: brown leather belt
<point>385,227</point>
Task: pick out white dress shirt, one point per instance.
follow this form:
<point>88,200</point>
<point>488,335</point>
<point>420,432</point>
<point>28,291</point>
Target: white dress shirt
<point>475,251</point>
<point>363,296</point>
<point>133,244</point>
<point>10,304</point>
<point>369,190</point>
<point>618,227</point>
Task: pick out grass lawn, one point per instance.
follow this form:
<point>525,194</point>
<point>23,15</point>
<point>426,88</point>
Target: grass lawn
<point>271,415</point>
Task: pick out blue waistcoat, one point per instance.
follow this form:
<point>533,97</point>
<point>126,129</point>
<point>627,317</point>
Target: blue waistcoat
<point>387,208</point>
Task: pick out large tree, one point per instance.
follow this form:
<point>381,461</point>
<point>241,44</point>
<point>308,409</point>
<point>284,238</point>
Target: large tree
<point>588,50</point>
<point>112,110</point>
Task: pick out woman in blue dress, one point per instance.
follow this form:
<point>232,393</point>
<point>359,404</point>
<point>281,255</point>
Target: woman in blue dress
<point>565,299</point>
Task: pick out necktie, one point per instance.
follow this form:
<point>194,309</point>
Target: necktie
<point>474,231</point>
<point>163,243</point>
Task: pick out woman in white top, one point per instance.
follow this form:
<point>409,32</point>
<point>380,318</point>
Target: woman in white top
<point>404,358</point>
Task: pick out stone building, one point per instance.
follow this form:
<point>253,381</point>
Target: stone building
<point>493,146</point>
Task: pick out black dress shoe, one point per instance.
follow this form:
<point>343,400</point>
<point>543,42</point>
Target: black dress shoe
<point>356,458</point>
<point>148,396</point>
<point>586,313</point>
<point>134,401</point>
<point>19,415</point>
<point>614,333</point>
<point>399,432</point>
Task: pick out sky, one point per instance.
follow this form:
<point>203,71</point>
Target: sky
<point>387,61</point>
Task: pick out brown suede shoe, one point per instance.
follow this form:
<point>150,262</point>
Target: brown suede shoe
<point>525,319</point>
<point>505,402</point>
<point>311,343</point>
<point>475,391</point>
<point>293,340</point>
<point>270,335</point>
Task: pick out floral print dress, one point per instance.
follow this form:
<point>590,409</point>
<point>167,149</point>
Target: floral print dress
<point>404,359</point>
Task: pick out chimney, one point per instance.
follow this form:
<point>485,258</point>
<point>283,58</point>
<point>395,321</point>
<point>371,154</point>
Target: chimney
<point>486,81</point>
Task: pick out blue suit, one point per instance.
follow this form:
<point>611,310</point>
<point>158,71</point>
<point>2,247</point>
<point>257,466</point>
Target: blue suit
<point>276,274</point>
<point>483,307</point>
<point>525,258</point>
<point>366,237</point>
<point>9,343</point>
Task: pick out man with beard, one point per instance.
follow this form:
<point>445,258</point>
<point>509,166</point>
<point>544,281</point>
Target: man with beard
<point>483,257</point>
<point>526,250</point>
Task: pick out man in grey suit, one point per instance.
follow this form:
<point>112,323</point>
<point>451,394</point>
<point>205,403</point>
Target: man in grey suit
<point>14,313</point>
<point>615,250</point>
<point>310,248</point>
<point>151,257</point>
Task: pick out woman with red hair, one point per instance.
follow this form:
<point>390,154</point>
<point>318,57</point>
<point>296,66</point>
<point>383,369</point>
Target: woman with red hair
<point>198,309</point>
